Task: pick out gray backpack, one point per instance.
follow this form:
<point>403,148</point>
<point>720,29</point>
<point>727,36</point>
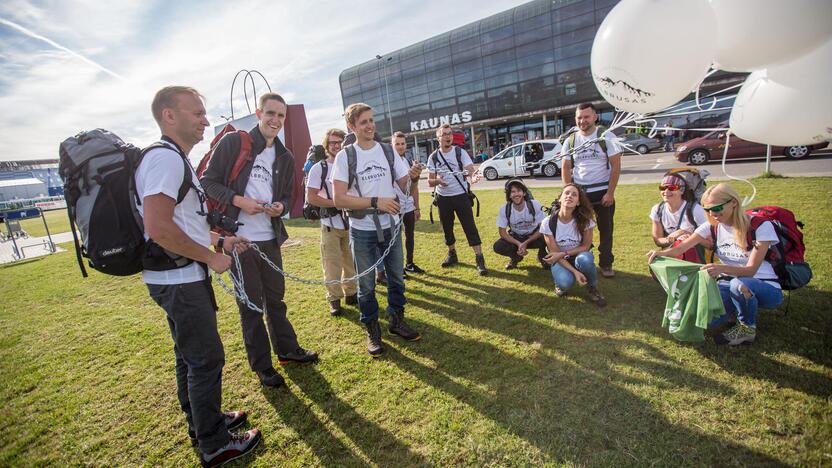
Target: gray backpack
<point>98,168</point>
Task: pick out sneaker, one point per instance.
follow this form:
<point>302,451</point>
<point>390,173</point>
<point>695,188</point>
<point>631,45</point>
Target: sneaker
<point>559,292</point>
<point>511,265</point>
<point>233,420</point>
<point>481,265</point>
<point>413,268</point>
<point>398,326</point>
<point>352,299</point>
<point>270,378</point>
<point>238,446</point>
<point>381,278</point>
<point>544,265</point>
<point>738,334</point>
<point>335,307</point>
<point>374,338</point>
<point>596,297</point>
<point>451,259</point>
<point>299,355</point>
<point>607,272</point>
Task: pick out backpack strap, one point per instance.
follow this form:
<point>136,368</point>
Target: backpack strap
<point>352,163</point>
<point>243,157</point>
<point>187,178</point>
<point>508,215</point>
<point>602,142</point>
<point>660,213</point>
<point>391,162</point>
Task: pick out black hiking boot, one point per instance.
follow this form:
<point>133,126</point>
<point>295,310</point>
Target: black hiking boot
<point>374,338</point>
<point>481,265</point>
<point>398,326</point>
<point>451,259</point>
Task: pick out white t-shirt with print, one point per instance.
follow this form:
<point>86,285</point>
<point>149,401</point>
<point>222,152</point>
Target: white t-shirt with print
<point>521,221</point>
<point>406,202</point>
<point>372,177</point>
<point>437,166</point>
<point>313,181</point>
<point>590,165</point>
<point>162,172</point>
<point>678,220</point>
<point>730,253</point>
<point>568,236</point>
<point>258,227</point>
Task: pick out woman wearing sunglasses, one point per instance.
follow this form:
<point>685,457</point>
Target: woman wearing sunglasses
<point>746,280</point>
<point>568,235</point>
<point>677,216</point>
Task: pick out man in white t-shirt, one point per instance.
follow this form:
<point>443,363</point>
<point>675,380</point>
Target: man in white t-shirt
<point>366,191</point>
<point>176,272</point>
<point>518,222</point>
<point>445,172</point>
<point>257,198</point>
<point>596,171</point>
<point>409,207</point>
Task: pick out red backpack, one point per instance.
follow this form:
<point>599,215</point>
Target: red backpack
<point>242,158</point>
<point>788,255</point>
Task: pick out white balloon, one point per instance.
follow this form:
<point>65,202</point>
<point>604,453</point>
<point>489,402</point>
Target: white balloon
<point>754,34</point>
<point>790,104</point>
<point>641,62</point>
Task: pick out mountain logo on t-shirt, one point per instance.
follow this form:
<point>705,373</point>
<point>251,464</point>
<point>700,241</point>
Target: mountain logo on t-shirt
<point>372,172</point>
<point>260,173</point>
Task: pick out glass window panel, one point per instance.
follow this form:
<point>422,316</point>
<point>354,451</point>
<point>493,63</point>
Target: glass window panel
<point>465,32</point>
<point>531,10</point>
<point>411,72</point>
<point>465,44</point>
<point>499,57</point>
<point>572,50</point>
<point>585,34</point>
<point>442,94</point>
<point>536,59</point>
<point>507,67</point>
<point>497,21</point>
<point>534,48</point>
<point>507,90</point>
<point>536,72</point>
<point>577,22</point>
<point>443,104</point>
<point>415,90</point>
<point>573,63</point>
<point>465,55</point>
<point>464,88</point>
<point>502,44</point>
<point>497,34</point>
<point>464,99</point>
<point>437,54</point>
<point>574,8</point>
<point>416,100</point>
<point>500,80</point>
<point>473,75</point>
<point>413,61</point>
<point>527,35</point>
<point>415,81</point>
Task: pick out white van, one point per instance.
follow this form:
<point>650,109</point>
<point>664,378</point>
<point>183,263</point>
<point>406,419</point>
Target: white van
<point>524,159</point>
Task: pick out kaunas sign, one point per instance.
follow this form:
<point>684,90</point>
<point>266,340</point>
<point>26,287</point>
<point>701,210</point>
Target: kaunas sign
<point>435,122</point>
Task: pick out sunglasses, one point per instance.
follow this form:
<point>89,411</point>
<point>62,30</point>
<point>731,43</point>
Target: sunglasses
<point>716,208</point>
<point>672,188</point>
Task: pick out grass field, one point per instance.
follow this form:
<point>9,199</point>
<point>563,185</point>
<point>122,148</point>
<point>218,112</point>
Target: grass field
<point>506,374</point>
<point>57,221</point>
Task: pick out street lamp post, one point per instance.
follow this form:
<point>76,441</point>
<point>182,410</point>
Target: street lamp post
<point>387,93</point>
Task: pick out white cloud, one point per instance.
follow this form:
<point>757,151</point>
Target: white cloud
<point>301,48</point>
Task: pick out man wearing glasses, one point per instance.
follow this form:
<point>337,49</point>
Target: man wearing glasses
<point>259,196</point>
<point>336,256</point>
<point>595,168</point>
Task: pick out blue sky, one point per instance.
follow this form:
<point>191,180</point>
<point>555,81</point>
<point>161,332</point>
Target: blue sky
<point>67,66</point>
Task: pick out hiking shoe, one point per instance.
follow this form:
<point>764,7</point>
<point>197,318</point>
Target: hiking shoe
<point>374,338</point>
<point>352,299</point>
<point>239,445</point>
<point>299,355</point>
<point>381,278</point>
<point>559,292</point>
<point>270,378</point>
<point>607,272</point>
<point>413,268</point>
<point>335,307</point>
<point>233,420</point>
<point>736,335</point>
<point>596,297</point>
<point>398,326</point>
<point>451,259</point>
<point>481,265</point>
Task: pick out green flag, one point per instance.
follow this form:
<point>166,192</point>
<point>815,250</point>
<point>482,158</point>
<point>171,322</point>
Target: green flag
<point>693,299</point>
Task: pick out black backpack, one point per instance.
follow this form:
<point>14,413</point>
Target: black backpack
<point>458,151</point>
<point>313,212</point>
<point>98,170</point>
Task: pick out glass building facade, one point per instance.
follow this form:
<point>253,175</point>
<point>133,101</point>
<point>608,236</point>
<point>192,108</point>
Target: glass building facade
<point>510,77</point>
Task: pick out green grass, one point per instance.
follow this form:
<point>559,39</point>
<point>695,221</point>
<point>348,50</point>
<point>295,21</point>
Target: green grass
<point>505,375</point>
<point>57,221</point>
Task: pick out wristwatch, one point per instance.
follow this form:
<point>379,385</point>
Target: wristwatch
<point>374,202</point>
<point>567,257</point>
<point>220,241</point>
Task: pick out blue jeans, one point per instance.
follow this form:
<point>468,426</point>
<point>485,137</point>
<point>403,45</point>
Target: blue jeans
<point>763,295</point>
<point>366,251</point>
<point>583,262</point>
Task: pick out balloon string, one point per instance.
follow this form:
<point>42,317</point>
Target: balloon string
<point>747,200</point>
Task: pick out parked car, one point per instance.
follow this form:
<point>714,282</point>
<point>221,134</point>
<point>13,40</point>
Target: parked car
<point>524,159</point>
<point>641,144</point>
<point>712,145</point>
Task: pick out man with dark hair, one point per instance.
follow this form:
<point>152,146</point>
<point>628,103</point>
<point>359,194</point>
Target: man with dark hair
<point>595,167</point>
<point>258,198</point>
<point>409,206</point>
<point>363,179</point>
<point>176,273</point>
<point>445,167</point>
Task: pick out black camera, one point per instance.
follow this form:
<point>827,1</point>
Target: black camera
<point>217,220</point>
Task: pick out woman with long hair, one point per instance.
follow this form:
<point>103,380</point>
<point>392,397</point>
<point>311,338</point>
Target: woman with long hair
<point>745,278</point>
<point>568,234</point>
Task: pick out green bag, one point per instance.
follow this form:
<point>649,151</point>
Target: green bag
<point>693,298</point>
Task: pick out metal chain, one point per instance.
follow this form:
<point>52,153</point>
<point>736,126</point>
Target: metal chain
<point>238,289</point>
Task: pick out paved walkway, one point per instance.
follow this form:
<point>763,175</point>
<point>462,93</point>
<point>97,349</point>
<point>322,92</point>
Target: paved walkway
<point>31,247</point>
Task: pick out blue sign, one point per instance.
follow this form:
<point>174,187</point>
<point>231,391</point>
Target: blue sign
<point>22,214</point>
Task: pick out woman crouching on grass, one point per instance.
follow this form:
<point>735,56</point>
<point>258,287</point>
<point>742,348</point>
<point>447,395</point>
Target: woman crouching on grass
<point>746,280</point>
<point>568,234</point>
